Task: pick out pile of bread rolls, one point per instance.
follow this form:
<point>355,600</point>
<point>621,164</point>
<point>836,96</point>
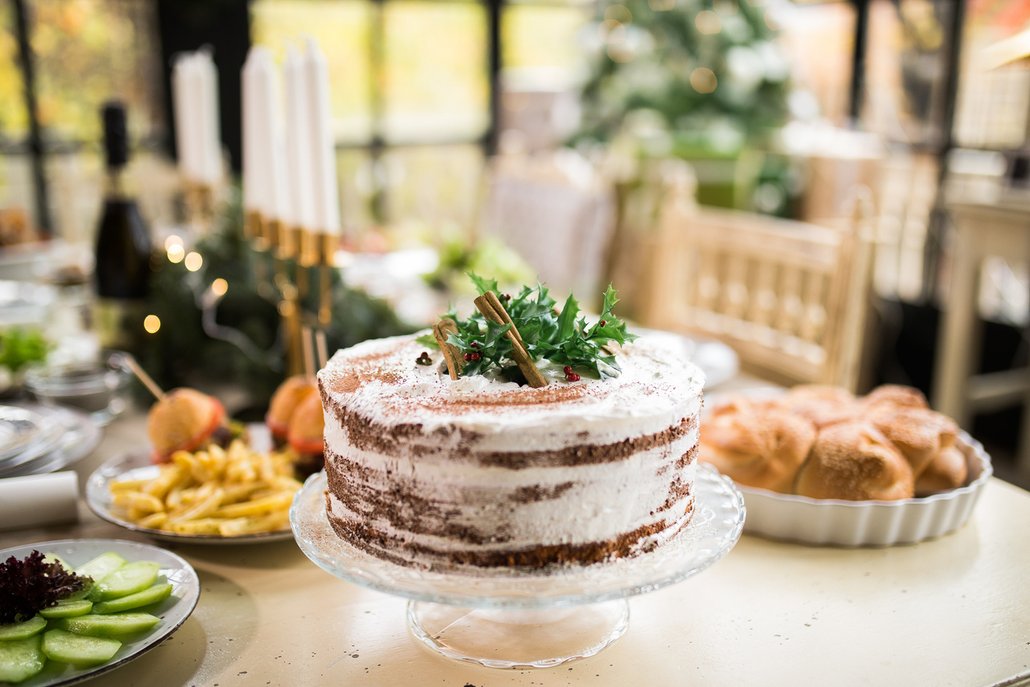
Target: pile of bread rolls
<point>824,443</point>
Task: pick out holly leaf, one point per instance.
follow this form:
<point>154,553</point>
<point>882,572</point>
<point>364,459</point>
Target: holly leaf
<point>564,338</point>
<point>567,319</point>
<point>484,285</point>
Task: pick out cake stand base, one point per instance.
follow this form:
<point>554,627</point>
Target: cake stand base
<point>518,638</point>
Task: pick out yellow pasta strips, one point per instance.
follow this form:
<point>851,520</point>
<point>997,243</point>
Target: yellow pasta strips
<point>225,492</point>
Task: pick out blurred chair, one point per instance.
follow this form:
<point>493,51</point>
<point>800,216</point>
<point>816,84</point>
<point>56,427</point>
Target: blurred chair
<point>791,298</point>
<point>557,213</point>
<point>1000,228</point>
<point>905,198</point>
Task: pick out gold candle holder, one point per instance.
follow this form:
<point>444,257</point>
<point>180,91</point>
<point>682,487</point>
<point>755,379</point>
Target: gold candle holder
<point>200,204</point>
<point>282,247</point>
<point>318,249</point>
<point>252,225</point>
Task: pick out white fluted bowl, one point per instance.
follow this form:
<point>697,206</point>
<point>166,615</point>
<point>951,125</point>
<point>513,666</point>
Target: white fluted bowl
<point>868,523</point>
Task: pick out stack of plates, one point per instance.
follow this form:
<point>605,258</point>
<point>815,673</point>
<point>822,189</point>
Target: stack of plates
<point>37,439</point>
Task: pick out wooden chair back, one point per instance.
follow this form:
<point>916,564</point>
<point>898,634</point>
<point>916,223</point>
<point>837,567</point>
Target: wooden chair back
<point>790,297</point>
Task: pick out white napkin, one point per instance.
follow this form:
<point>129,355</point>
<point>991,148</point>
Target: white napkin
<point>37,500</point>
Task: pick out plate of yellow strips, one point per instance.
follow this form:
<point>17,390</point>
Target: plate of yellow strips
<point>234,495</point>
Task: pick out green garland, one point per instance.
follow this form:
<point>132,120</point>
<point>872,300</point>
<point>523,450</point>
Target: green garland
<point>181,353</point>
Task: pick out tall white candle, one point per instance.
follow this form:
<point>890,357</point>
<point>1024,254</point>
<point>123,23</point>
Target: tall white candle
<point>273,164</point>
<point>181,98</point>
<point>252,163</point>
<point>298,143</point>
<point>323,154</point>
<point>210,167</point>
<point>195,72</point>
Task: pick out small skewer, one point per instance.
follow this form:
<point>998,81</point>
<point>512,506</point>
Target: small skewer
<point>322,347</point>
<point>127,362</point>
<point>307,342</point>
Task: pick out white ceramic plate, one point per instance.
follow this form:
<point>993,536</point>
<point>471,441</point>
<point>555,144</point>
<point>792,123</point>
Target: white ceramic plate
<point>70,436</point>
<point>19,428</point>
<point>139,466</point>
<point>173,611</point>
<point>868,523</point>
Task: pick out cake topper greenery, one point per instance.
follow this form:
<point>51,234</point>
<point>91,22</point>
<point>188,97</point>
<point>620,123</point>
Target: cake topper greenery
<point>509,334</point>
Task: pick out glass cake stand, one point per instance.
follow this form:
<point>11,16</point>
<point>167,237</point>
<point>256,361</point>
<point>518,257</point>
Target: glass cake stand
<point>503,618</point>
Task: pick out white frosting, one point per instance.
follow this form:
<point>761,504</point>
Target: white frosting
<point>451,428</point>
<point>657,389</point>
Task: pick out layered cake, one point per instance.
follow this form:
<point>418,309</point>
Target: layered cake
<point>429,471</point>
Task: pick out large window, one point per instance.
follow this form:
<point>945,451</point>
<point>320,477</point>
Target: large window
<point>80,53</point>
<point>418,89</point>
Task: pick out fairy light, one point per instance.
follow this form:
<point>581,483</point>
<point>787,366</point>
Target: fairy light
<point>193,261</point>
<point>176,252</point>
<point>152,324</point>
<point>708,22</point>
<point>173,240</point>
<point>703,80</point>
<point>219,287</point>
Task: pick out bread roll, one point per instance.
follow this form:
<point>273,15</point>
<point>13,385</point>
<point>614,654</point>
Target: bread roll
<point>947,470</point>
<point>756,444</point>
<point>895,395</point>
<point>821,405</point>
<point>855,461</point>
<point>919,433</point>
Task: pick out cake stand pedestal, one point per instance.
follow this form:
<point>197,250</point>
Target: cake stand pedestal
<point>518,638</point>
<point>504,618</point>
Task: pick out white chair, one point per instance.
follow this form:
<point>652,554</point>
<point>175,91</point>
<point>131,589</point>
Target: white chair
<point>790,297</point>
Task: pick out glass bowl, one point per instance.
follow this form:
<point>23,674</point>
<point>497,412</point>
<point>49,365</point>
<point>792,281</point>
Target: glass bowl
<point>95,387</point>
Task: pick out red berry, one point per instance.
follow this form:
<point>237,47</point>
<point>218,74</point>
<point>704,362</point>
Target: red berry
<point>567,369</point>
<point>603,323</point>
<point>572,376</point>
<point>468,356</point>
<point>474,345</point>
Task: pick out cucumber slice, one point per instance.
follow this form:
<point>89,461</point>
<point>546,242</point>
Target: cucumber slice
<point>128,579</point>
<point>20,659</point>
<point>101,566</point>
<point>68,609</point>
<point>67,647</point>
<point>150,595</point>
<point>24,629</point>
<point>113,625</point>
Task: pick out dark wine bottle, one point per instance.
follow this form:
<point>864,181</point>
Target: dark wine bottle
<point>123,248</point>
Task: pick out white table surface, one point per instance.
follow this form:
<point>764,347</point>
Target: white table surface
<point>955,611</point>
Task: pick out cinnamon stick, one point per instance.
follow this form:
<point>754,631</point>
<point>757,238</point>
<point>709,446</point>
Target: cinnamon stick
<point>451,353</point>
<point>490,305</point>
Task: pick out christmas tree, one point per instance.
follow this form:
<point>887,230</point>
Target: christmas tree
<point>697,79</point>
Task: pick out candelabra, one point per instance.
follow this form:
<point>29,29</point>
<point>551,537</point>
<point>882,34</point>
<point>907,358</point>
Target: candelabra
<point>296,255</point>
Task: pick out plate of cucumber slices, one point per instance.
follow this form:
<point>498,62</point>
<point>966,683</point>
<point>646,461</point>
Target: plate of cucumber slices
<point>123,599</point>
